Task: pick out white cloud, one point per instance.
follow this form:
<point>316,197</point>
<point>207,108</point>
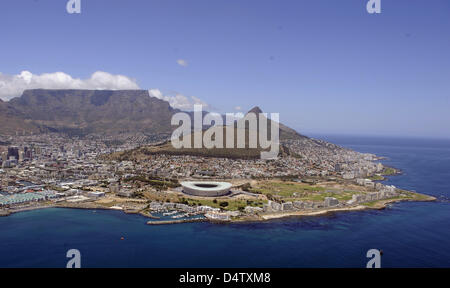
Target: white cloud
<point>182,62</point>
<point>238,108</point>
<point>178,100</point>
<point>13,85</point>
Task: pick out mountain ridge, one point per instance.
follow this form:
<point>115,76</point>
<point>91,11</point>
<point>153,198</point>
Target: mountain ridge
<point>91,111</point>
<point>82,112</point>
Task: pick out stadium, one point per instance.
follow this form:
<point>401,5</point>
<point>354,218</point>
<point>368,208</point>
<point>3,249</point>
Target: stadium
<point>206,189</point>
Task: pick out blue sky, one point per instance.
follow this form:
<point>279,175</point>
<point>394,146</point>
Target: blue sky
<point>326,66</point>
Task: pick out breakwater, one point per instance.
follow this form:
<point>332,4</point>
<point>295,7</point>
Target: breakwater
<point>178,221</point>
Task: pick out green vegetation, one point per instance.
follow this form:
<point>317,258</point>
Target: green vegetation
<point>285,189</point>
<point>158,183</point>
<point>420,197</point>
<point>246,187</point>
<point>292,191</point>
<point>370,204</point>
<point>229,205</point>
<point>376,178</point>
<point>231,153</point>
<point>377,202</point>
<point>223,204</point>
<point>414,196</point>
<point>405,195</point>
<point>389,171</point>
<point>320,196</point>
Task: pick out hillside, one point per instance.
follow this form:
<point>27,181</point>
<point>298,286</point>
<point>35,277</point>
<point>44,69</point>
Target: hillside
<point>87,111</point>
<point>13,121</point>
<point>167,148</point>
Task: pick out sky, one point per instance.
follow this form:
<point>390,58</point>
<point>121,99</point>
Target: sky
<point>325,66</point>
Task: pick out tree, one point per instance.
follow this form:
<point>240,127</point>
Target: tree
<point>246,187</point>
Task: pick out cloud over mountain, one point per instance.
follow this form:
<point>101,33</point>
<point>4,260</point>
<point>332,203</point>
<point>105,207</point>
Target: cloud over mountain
<point>13,85</point>
<point>178,100</point>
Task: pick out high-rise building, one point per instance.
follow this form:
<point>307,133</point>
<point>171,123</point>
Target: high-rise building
<point>28,153</point>
<point>21,156</point>
<point>13,151</point>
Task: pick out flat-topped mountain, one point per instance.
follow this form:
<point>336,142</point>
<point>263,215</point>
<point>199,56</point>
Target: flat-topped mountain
<point>87,111</point>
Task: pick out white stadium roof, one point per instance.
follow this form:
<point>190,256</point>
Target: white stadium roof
<point>206,188</point>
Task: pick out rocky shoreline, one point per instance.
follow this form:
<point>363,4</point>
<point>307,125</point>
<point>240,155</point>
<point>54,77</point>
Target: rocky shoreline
<point>379,205</point>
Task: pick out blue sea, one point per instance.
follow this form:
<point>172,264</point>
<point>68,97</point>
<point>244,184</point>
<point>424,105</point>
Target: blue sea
<point>411,234</point>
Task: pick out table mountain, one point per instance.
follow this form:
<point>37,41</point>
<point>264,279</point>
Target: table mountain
<point>87,111</point>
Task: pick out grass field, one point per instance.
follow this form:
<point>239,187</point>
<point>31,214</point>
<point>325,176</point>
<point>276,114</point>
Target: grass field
<point>320,196</point>
<point>389,171</point>
<point>285,189</point>
<point>292,191</point>
<point>376,178</point>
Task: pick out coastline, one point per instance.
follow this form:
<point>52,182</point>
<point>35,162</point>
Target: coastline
<point>258,217</point>
<point>379,205</point>
<point>311,213</point>
<point>376,205</point>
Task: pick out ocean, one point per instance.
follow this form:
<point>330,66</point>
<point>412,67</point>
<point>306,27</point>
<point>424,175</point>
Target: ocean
<point>411,234</point>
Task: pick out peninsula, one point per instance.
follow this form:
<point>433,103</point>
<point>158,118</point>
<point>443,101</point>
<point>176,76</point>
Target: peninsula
<point>67,160</point>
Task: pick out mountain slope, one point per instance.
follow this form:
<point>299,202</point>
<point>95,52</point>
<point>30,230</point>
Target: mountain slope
<point>93,111</point>
<point>167,148</point>
<point>285,132</point>
<point>12,121</point>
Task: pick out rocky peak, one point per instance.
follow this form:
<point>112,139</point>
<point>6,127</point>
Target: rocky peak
<point>255,110</point>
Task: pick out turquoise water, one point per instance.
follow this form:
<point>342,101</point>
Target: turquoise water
<point>410,234</point>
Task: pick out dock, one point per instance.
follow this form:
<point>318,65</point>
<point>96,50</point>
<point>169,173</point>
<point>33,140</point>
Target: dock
<point>165,222</point>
